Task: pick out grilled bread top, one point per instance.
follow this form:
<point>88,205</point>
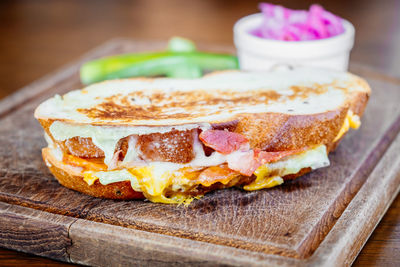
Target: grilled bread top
<point>214,99</point>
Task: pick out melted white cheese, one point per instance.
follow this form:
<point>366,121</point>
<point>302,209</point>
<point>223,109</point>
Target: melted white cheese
<point>313,158</point>
<point>269,175</point>
<point>109,177</point>
<point>55,150</point>
<point>48,140</point>
<point>132,156</point>
<point>201,159</point>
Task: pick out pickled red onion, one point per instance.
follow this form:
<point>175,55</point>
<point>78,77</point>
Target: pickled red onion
<point>280,23</point>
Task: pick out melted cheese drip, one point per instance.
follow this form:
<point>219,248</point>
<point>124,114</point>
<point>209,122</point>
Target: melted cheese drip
<point>313,158</point>
<point>89,178</point>
<point>155,179</point>
<point>263,181</point>
<point>351,121</point>
<point>109,177</point>
<point>152,181</point>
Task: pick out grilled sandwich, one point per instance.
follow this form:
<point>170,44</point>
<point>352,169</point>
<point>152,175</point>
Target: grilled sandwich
<point>173,140</point>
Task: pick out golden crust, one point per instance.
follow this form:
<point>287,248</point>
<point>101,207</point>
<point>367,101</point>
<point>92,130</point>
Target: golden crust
<point>281,132</point>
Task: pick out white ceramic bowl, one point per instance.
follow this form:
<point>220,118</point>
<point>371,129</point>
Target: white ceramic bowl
<point>257,53</point>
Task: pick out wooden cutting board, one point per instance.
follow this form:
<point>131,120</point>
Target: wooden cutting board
<point>324,217</point>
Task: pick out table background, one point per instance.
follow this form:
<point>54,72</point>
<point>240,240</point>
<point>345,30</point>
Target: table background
<point>37,37</point>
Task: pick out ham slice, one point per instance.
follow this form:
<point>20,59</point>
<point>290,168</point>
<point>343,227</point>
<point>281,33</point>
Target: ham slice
<point>247,162</point>
<point>266,157</point>
<point>224,142</point>
<point>240,157</point>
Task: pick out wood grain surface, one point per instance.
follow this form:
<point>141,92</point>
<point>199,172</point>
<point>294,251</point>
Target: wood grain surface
<point>356,223</point>
<point>382,248</point>
<point>378,253</point>
<point>291,220</point>
<point>21,232</point>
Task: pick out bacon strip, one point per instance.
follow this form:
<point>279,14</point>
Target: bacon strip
<point>247,162</point>
<point>240,157</point>
<point>268,157</point>
<point>223,141</point>
<point>215,174</point>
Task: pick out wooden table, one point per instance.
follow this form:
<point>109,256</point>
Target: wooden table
<point>38,36</point>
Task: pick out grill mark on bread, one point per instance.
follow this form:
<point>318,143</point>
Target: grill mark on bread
<point>191,104</point>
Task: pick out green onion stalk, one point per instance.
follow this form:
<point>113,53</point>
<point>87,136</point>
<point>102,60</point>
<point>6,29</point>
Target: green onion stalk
<point>181,60</point>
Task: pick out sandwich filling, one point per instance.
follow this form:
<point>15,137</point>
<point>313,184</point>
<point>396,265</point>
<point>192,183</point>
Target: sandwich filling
<point>217,158</point>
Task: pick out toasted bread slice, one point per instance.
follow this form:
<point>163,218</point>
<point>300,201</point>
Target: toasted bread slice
<point>219,98</point>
